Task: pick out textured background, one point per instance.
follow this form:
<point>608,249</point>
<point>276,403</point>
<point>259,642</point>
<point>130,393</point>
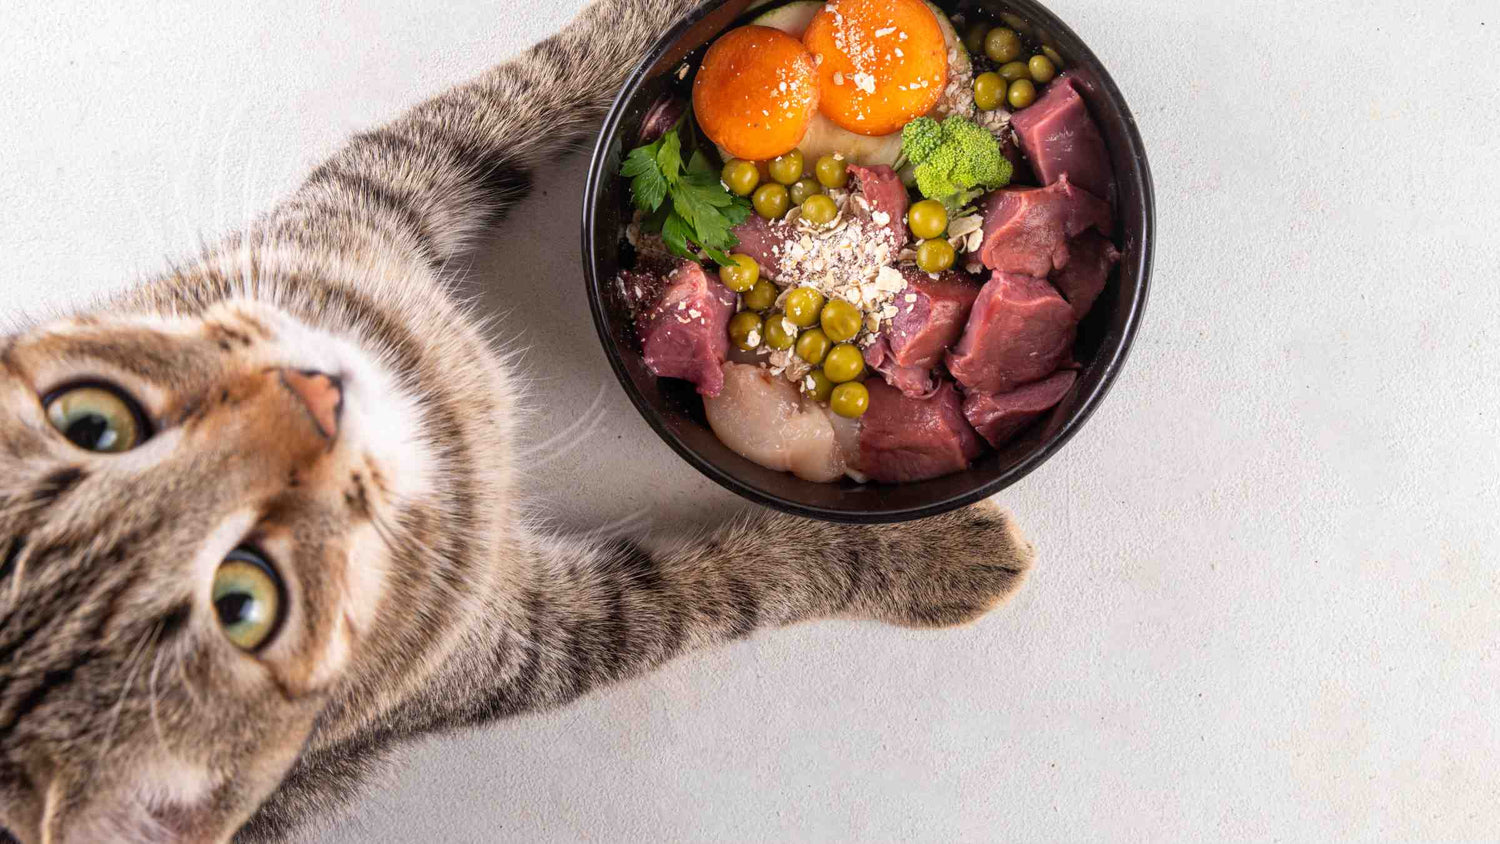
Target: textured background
<point>1267,604</point>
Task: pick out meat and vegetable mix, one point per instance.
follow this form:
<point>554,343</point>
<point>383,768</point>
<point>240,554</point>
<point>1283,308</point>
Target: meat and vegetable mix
<point>868,240</point>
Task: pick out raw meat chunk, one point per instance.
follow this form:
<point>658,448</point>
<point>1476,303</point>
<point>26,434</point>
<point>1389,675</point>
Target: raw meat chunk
<point>886,198</point>
<point>1026,230</point>
<point>1090,258</point>
<point>1020,330</point>
<point>998,418</point>
<point>909,439</point>
<point>930,317</point>
<point>1061,139</point>
<point>685,334</point>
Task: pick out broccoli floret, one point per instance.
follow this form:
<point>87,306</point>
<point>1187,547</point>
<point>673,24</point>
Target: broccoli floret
<point>920,138</point>
<point>955,160</point>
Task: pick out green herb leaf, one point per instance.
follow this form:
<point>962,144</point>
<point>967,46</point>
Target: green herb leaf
<point>675,232</point>
<point>652,223</point>
<point>701,213</point>
<point>647,187</point>
<point>720,257</point>
<point>640,160</point>
<point>737,212</point>
<point>698,163</point>
<point>669,157</point>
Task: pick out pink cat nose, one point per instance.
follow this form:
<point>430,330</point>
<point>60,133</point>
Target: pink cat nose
<point>322,395</point>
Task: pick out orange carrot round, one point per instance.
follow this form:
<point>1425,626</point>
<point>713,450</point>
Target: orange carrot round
<point>756,92</point>
<point>881,62</point>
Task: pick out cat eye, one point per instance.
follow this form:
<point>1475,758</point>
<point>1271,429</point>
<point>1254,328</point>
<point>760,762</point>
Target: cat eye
<point>97,418</point>
<point>248,598</point>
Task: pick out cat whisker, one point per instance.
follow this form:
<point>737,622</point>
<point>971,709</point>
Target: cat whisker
<point>133,665</point>
<point>568,438</point>
<point>151,701</point>
<point>180,666</point>
<point>617,527</point>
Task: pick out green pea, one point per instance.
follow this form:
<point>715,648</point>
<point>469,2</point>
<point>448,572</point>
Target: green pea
<point>840,320</point>
<point>1050,53</point>
<point>1041,69</point>
<point>812,345</point>
<point>771,201</point>
<point>741,176</point>
<point>745,329</point>
<point>1022,93</point>
<point>740,274</point>
<point>934,256</point>
<point>819,210</point>
<point>989,91</point>
<point>927,219</point>
<point>804,188</point>
<point>849,400</point>
<point>777,337</point>
<point>974,37</point>
<point>832,171</point>
<point>1012,71</point>
<point>787,168</point>
<point>1002,45</point>
<point>802,306</point>
<point>844,362</point>
<point>761,297</point>
<point>821,386</point>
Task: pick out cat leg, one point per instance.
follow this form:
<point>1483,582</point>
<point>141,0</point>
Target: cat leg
<point>593,614</point>
<point>437,176</point>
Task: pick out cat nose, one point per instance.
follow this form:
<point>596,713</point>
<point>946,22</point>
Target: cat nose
<point>322,395</point>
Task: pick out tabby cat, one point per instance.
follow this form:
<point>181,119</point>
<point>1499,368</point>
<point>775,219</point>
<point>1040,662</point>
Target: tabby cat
<point>257,517</point>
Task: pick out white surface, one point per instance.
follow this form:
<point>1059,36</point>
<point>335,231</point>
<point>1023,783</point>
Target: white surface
<point>1267,604</point>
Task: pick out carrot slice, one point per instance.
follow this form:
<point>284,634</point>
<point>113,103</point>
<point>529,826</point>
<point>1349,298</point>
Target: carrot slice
<point>881,62</point>
<point>756,92</point>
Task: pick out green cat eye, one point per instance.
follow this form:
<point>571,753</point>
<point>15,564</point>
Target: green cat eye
<point>96,418</point>
<point>248,599</point>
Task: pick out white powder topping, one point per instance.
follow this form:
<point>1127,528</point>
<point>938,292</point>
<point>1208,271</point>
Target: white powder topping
<point>899,54</point>
<point>753,338</point>
<point>847,259</point>
<point>997,121</point>
<point>864,82</point>
<point>881,33</point>
<point>958,93</point>
<point>838,78</point>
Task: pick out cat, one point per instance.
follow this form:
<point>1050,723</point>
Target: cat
<point>257,517</point>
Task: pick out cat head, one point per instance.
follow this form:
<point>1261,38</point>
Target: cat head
<point>196,522</point>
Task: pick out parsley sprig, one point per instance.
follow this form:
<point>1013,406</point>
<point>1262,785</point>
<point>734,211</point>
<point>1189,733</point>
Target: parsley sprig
<point>700,214</point>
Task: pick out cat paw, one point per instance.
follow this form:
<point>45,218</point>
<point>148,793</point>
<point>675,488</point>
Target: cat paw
<point>952,569</point>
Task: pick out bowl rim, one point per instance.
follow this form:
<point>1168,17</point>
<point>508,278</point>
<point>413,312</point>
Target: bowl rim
<point>1055,441</point>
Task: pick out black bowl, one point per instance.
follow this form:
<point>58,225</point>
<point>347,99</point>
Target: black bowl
<point>675,411</point>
